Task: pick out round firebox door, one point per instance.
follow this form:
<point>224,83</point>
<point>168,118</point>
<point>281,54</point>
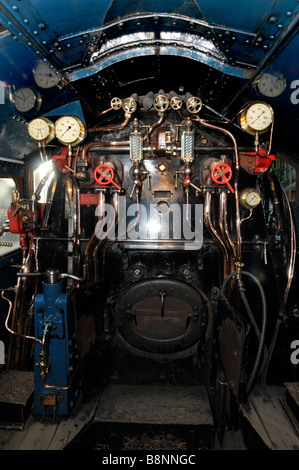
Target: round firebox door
<point>161,315</point>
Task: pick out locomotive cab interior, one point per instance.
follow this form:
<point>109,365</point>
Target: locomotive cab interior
<point>149,215</point>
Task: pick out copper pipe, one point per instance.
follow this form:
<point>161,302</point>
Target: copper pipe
<point>111,128</point>
<point>7,319</point>
<point>18,309</point>
<point>100,144</point>
<point>100,114</point>
<point>156,124</point>
<point>224,229</point>
<point>237,169</point>
<point>88,248</point>
<point>213,231</point>
<point>42,183</point>
<point>59,387</point>
<point>117,238</point>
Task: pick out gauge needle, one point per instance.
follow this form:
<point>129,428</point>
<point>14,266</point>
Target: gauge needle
<point>66,130</point>
<point>258,117</point>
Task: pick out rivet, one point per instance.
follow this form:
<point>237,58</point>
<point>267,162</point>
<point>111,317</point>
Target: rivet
<point>272,19</point>
<point>36,33</point>
<point>42,26</point>
<point>26,21</point>
<point>288,13</point>
<point>14,8</point>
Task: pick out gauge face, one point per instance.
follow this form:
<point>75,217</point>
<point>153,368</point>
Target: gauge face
<point>41,130</point>
<point>250,198</point>
<point>26,100</point>
<point>69,130</point>
<point>45,77</point>
<point>257,117</point>
<point>271,85</point>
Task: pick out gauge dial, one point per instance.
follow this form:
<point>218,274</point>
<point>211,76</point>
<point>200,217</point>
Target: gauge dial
<point>69,130</point>
<point>26,100</point>
<point>45,77</point>
<point>271,85</point>
<point>256,117</point>
<point>41,130</point>
<point>250,198</point>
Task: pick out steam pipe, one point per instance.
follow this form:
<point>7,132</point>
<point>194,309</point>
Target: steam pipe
<point>213,231</point>
<point>111,128</point>
<point>103,143</point>
<point>237,169</point>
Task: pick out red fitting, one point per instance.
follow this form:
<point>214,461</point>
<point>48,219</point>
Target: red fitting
<point>221,174</point>
<point>104,175</point>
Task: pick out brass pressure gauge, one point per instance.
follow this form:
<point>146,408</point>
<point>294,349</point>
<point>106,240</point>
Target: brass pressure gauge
<point>250,198</point>
<point>41,130</point>
<point>257,117</point>
<point>70,130</point>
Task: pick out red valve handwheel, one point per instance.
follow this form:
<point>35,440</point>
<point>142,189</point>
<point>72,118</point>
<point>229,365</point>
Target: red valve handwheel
<point>104,175</point>
<point>221,174</point>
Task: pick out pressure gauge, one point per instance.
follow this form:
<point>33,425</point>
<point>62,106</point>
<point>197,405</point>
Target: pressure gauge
<point>257,117</point>
<point>41,130</point>
<point>271,85</point>
<point>250,198</point>
<point>70,130</point>
<point>26,100</point>
<point>45,77</point>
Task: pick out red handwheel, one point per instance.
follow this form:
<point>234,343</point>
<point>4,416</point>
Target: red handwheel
<point>104,175</point>
<point>221,174</point>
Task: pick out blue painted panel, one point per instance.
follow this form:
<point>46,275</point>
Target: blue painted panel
<point>122,8</point>
<point>246,15</point>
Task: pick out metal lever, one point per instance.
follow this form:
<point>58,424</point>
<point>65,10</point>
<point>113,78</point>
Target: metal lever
<point>162,295</point>
<point>52,276</point>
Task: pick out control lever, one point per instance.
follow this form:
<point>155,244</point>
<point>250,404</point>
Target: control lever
<point>52,276</point>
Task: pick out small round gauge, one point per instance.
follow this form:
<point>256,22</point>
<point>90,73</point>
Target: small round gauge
<point>26,100</point>
<point>257,117</point>
<point>45,77</point>
<point>250,198</point>
<point>41,130</point>
<point>271,85</point>
<point>69,130</point>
